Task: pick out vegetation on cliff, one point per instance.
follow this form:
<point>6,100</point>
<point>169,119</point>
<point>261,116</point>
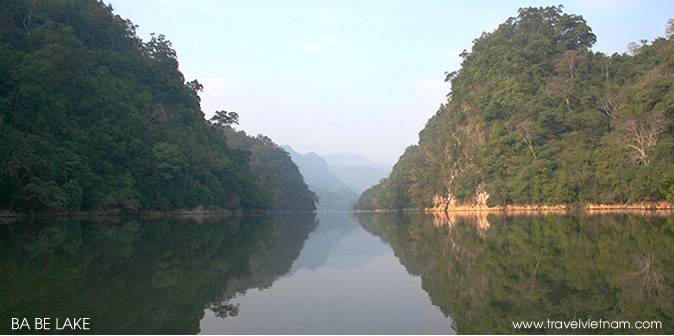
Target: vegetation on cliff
<point>535,117</point>
<point>92,117</point>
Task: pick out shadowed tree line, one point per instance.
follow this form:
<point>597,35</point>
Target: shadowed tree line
<point>92,117</point>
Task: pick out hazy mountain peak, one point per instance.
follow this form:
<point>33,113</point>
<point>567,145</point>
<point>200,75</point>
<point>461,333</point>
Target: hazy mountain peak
<point>347,159</point>
<point>338,170</point>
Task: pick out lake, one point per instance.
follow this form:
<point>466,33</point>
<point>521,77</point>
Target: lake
<point>340,272</point>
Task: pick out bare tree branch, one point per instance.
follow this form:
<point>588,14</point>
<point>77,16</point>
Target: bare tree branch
<point>640,135</point>
<point>527,133</point>
<point>611,104</point>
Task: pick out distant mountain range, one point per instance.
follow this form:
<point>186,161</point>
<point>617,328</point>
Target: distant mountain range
<point>315,170</point>
<point>357,172</point>
<point>338,179</point>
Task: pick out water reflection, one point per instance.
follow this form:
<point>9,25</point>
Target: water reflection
<point>486,270</point>
<point>339,273</point>
<point>142,276</point>
<point>345,281</point>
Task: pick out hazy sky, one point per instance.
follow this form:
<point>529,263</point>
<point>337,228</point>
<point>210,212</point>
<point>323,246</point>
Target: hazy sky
<point>348,76</point>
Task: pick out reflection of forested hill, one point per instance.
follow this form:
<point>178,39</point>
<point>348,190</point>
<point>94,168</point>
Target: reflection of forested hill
<point>331,230</point>
<point>273,254</point>
<point>488,271</point>
<point>142,276</point>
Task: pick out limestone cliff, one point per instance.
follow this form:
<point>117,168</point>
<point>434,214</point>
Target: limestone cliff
<point>537,120</point>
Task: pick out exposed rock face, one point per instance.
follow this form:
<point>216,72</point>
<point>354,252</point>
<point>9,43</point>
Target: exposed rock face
<point>481,197</point>
<point>449,202</point>
<point>441,203</point>
<point>480,203</point>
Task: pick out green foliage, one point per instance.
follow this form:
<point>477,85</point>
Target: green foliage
<point>277,176</point>
<point>224,118</point>
<point>91,117</point>
<point>535,117</point>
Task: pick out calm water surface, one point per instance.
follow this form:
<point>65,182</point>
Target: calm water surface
<point>339,273</point>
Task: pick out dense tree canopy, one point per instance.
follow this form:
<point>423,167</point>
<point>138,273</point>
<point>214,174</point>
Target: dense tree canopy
<point>536,117</point>
<point>92,117</point>
<point>284,186</point>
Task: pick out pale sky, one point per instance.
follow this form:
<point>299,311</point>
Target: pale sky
<point>359,76</point>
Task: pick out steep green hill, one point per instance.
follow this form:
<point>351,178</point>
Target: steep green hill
<point>535,117</point>
<point>92,117</point>
<point>280,177</point>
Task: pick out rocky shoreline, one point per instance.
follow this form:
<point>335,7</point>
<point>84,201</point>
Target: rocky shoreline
<point>554,208</point>
<point>480,203</point>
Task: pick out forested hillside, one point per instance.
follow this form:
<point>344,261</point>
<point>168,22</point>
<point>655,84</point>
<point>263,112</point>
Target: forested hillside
<point>92,117</point>
<point>535,116</point>
<point>279,176</point>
